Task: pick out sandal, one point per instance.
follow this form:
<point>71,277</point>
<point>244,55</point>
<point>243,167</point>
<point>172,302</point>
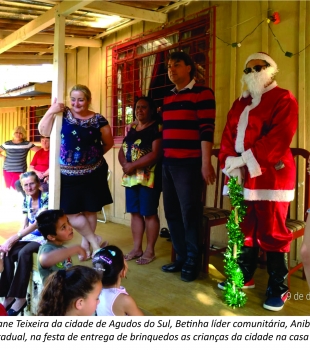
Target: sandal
<point>145,261</point>
<point>89,254</point>
<point>101,242</point>
<point>87,250</point>
<point>129,256</point>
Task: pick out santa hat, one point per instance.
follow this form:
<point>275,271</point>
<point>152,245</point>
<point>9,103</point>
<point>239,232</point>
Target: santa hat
<point>262,56</point>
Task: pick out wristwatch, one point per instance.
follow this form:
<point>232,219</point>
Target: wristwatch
<point>19,234</point>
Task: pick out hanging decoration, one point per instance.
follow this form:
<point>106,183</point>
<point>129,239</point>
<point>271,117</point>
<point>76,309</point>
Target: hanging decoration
<point>275,19</point>
<point>233,294</point>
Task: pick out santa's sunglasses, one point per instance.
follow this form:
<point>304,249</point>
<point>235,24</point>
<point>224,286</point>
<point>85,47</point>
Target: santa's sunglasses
<point>256,68</point>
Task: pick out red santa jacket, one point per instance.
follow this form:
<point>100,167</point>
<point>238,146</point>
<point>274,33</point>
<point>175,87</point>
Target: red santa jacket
<point>262,131</point>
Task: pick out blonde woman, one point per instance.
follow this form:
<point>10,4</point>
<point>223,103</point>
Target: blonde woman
<point>15,158</point>
<point>85,138</point>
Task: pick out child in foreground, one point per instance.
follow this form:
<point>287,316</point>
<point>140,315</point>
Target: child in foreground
<point>72,292</point>
<point>114,300</point>
<point>53,256</point>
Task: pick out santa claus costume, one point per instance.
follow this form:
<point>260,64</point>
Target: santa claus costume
<point>255,146</point>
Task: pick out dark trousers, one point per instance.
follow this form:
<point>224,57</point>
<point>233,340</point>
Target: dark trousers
<point>15,284</point>
<point>182,191</point>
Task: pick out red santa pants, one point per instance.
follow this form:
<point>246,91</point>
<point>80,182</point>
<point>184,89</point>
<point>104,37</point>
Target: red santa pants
<point>264,226</point>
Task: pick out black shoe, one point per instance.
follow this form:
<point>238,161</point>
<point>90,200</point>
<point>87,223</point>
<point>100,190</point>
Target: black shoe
<point>164,233</point>
<point>9,305</point>
<point>12,312</point>
<point>190,270</point>
<point>173,267</point>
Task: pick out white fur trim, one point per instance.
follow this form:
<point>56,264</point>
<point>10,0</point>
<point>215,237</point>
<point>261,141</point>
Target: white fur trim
<point>265,195</point>
<point>244,117</point>
<point>241,127</point>
<point>225,172</point>
<point>261,56</point>
<point>225,190</point>
<point>243,123</point>
<point>270,87</point>
<point>269,195</point>
<point>252,164</point>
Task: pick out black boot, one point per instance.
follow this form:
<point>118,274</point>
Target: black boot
<point>247,260</point>
<point>277,291</point>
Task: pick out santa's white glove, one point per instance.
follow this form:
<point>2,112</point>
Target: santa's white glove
<point>239,174</point>
<point>232,163</point>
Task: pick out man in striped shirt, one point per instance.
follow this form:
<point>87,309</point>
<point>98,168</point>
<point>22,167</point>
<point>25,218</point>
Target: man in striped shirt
<point>188,129</point>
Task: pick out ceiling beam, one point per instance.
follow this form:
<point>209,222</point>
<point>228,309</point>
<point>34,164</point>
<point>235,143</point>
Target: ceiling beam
<point>69,41</point>
<point>165,10</point>
<point>26,62</point>
<point>110,8</point>
<point>25,57</point>
<point>117,28</point>
<point>36,49</point>
<point>49,39</point>
<point>40,23</point>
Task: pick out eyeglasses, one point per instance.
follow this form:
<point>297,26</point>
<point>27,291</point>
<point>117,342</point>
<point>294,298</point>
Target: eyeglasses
<point>256,68</point>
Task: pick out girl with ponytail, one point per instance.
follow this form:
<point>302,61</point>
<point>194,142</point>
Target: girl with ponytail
<point>114,300</point>
<point>71,292</point>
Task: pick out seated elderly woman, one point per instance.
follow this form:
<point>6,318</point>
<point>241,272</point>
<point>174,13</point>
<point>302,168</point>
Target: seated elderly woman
<point>20,247</point>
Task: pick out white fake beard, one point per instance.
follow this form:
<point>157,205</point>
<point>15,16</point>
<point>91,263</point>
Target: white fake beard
<point>257,81</point>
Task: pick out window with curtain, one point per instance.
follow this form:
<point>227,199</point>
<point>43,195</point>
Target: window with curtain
<point>138,67</point>
<point>35,115</point>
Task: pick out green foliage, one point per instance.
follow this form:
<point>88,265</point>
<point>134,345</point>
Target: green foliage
<point>233,294</point>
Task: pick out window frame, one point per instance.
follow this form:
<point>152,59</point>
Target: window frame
<point>128,49</point>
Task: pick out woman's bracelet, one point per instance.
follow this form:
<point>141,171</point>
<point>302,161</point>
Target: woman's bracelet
<point>19,234</point>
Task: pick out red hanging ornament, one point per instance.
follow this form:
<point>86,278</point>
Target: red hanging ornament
<point>275,18</point>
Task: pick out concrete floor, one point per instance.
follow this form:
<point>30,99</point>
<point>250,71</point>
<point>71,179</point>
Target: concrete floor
<point>162,294</point>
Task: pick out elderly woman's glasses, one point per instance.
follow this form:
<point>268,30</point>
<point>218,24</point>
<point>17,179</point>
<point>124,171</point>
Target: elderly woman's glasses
<point>256,68</point>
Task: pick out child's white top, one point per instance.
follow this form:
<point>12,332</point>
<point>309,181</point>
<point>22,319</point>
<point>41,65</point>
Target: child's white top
<point>107,298</point>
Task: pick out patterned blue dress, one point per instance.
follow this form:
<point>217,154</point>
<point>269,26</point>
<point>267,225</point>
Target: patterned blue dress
<point>83,168</point>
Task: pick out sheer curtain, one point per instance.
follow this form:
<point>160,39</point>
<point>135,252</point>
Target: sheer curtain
<point>147,64</point>
<point>146,73</point>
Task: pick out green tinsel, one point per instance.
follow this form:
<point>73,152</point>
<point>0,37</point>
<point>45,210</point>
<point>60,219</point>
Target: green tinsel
<point>233,294</point>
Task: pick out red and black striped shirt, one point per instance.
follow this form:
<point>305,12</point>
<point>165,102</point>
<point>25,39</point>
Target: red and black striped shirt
<point>188,119</point>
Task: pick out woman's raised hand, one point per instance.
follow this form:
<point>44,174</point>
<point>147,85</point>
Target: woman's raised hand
<point>56,107</point>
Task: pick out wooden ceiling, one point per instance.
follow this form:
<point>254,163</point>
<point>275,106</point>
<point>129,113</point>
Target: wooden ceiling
<point>27,27</point>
